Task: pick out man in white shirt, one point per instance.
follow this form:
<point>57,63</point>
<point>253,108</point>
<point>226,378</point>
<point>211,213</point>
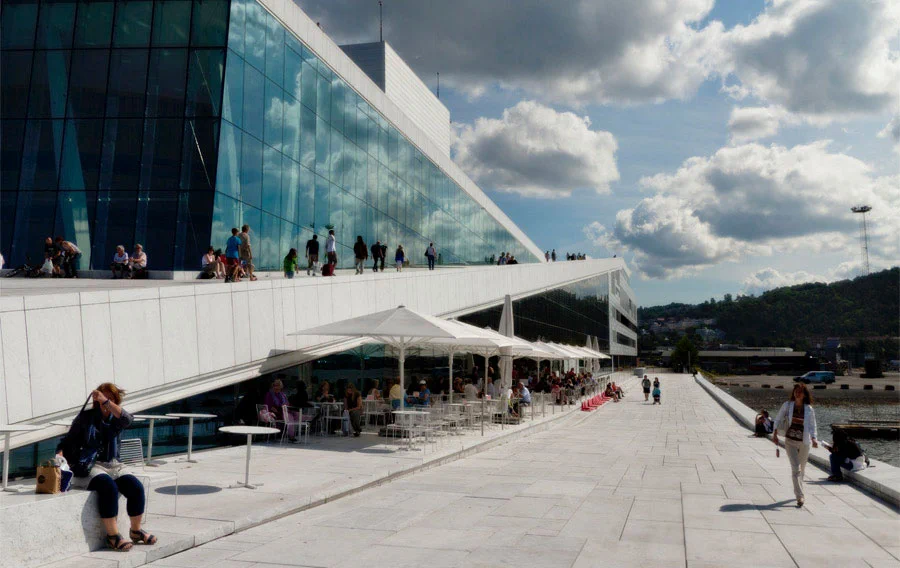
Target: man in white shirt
<point>331,248</point>
<point>120,263</point>
<point>139,262</point>
<point>470,391</point>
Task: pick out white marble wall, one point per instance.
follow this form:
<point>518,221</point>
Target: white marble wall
<point>165,343</point>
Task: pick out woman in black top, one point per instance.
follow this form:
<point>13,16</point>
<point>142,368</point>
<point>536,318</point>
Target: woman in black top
<point>92,449</point>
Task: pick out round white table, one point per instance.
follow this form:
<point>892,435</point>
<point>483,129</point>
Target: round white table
<point>248,431</point>
<point>7,430</point>
<point>152,418</point>
<point>190,416</point>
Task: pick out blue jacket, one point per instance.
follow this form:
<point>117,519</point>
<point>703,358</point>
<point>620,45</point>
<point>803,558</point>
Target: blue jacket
<point>91,438</point>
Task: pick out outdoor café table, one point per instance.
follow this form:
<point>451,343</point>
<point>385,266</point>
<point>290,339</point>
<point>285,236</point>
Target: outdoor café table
<point>190,416</point>
<point>249,431</point>
<point>6,430</point>
<point>152,418</point>
<point>406,418</point>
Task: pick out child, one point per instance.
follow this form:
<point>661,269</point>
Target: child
<point>656,394</point>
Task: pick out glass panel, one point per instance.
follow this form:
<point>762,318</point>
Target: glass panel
<point>335,212</point>
<point>226,215</point>
<point>290,142</point>
<point>35,212</point>
<point>323,156</point>
<point>337,104</point>
<point>93,28</point>
<point>308,79</point>
<point>210,23</point>
<point>237,18</point>
<point>56,23</point>
<point>308,138</point>
<point>290,187</point>
<point>205,82</point>
<point>321,206</point>
<point>41,154</point>
<point>336,160</point>
<point>127,82</point>
<point>274,50</point>
<point>274,114</point>
<point>49,84</point>
<point>74,212</point>
<point>11,137</point>
<point>323,98</point>
<point>165,86</point>
<point>251,171</point>
<point>271,190</point>
<point>200,154</point>
<point>171,22</point>
<point>255,35</point>
<point>192,237</point>
<point>18,24</point>
<point>290,239</point>
<point>161,158</point>
<point>154,226</point>
<point>228,180</point>
<point>120,164</point>
<point>293,66</point>
<point>254,94</point>
<point>132,28</point>
<point>81,154</point>
<point>114,225</point>
<point>15,68</point>
<point>306,192</point>
<point>233,100</point>
<point>7,224</point>
<point>267,256</point>
<point>87,86</point>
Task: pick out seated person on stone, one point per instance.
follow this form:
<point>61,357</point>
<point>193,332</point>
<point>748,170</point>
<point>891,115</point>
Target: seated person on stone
<point>763,424</point>
<point>92,449</point>
<point>846,453</point>
<point>139,262</point>
<point>120,264</point>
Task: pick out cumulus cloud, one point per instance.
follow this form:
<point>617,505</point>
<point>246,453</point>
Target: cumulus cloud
<point>536,151</point>
<point>573,51</point>
<point>892,131</point>
<point>755,200</point>
<point>769,278</point>
<point>753,123</point>
<point>819,59</point>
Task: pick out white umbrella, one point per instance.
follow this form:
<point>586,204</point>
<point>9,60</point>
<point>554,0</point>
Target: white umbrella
<point>400,328</point>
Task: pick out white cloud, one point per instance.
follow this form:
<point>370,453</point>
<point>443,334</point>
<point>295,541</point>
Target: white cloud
<point>892,131</point>
<point>819,59</point>
<point>572,51</point>
<point>769,278</point>
<point>536,151</point>
<point>756,200</point>
<point>753,123</point>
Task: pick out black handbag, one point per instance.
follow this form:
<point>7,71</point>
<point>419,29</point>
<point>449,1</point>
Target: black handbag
<point>72,446</point>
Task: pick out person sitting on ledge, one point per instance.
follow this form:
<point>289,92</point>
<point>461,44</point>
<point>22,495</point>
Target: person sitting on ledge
<point>763,424</point>
<point>120,263</point>
<point>92,449</point>
<point>139,262</point>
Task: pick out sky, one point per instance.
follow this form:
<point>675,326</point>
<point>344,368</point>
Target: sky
<point>717,146</point>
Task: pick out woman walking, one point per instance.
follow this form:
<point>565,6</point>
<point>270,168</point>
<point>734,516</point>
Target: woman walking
<point>798,419</point>
<point>399,258</point>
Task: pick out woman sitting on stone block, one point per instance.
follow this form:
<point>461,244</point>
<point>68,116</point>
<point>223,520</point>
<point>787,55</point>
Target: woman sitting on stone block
<point>92,449</point>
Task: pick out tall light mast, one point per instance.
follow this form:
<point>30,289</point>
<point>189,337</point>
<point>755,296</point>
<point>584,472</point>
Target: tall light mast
<point>863,236</point>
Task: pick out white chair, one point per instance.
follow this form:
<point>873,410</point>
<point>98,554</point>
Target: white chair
<point>262,411</point>
<point>131,453</point>
<point>290,421</point>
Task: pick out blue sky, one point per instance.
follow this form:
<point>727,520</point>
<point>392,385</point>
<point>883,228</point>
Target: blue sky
<point>717,146</point>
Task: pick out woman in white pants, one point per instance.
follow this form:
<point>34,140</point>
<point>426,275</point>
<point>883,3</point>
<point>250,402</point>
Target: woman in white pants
<point>798,419</point>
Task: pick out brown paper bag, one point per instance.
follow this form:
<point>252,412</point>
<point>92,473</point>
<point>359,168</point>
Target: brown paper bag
<point>48,478</point>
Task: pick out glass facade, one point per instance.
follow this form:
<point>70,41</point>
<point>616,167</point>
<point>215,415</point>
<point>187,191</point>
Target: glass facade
<point>168,122</point>
<point>565,315</point>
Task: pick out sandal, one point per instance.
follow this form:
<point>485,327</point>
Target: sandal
<point>142,537</point>
<point>117,543</point>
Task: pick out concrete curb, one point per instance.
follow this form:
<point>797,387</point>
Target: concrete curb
<point>881,479</point>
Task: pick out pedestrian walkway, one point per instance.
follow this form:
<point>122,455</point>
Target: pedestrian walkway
<point>632,484</point>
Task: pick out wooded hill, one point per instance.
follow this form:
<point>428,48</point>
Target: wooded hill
<point>866,306</point>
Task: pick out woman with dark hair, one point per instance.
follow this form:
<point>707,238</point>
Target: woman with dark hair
<point>798,419</point>
<point>92,449</point>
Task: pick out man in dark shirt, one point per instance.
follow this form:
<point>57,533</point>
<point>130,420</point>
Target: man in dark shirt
<point>377,254</point>
<point>312,256</point>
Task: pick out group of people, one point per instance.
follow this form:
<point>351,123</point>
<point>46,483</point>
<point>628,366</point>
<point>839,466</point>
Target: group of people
<point>125,266</point>
<point>60,258</point>
<point>550,256</point>
<point>361,254</point>
<point>656,392</point>
<point>506,258</point>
